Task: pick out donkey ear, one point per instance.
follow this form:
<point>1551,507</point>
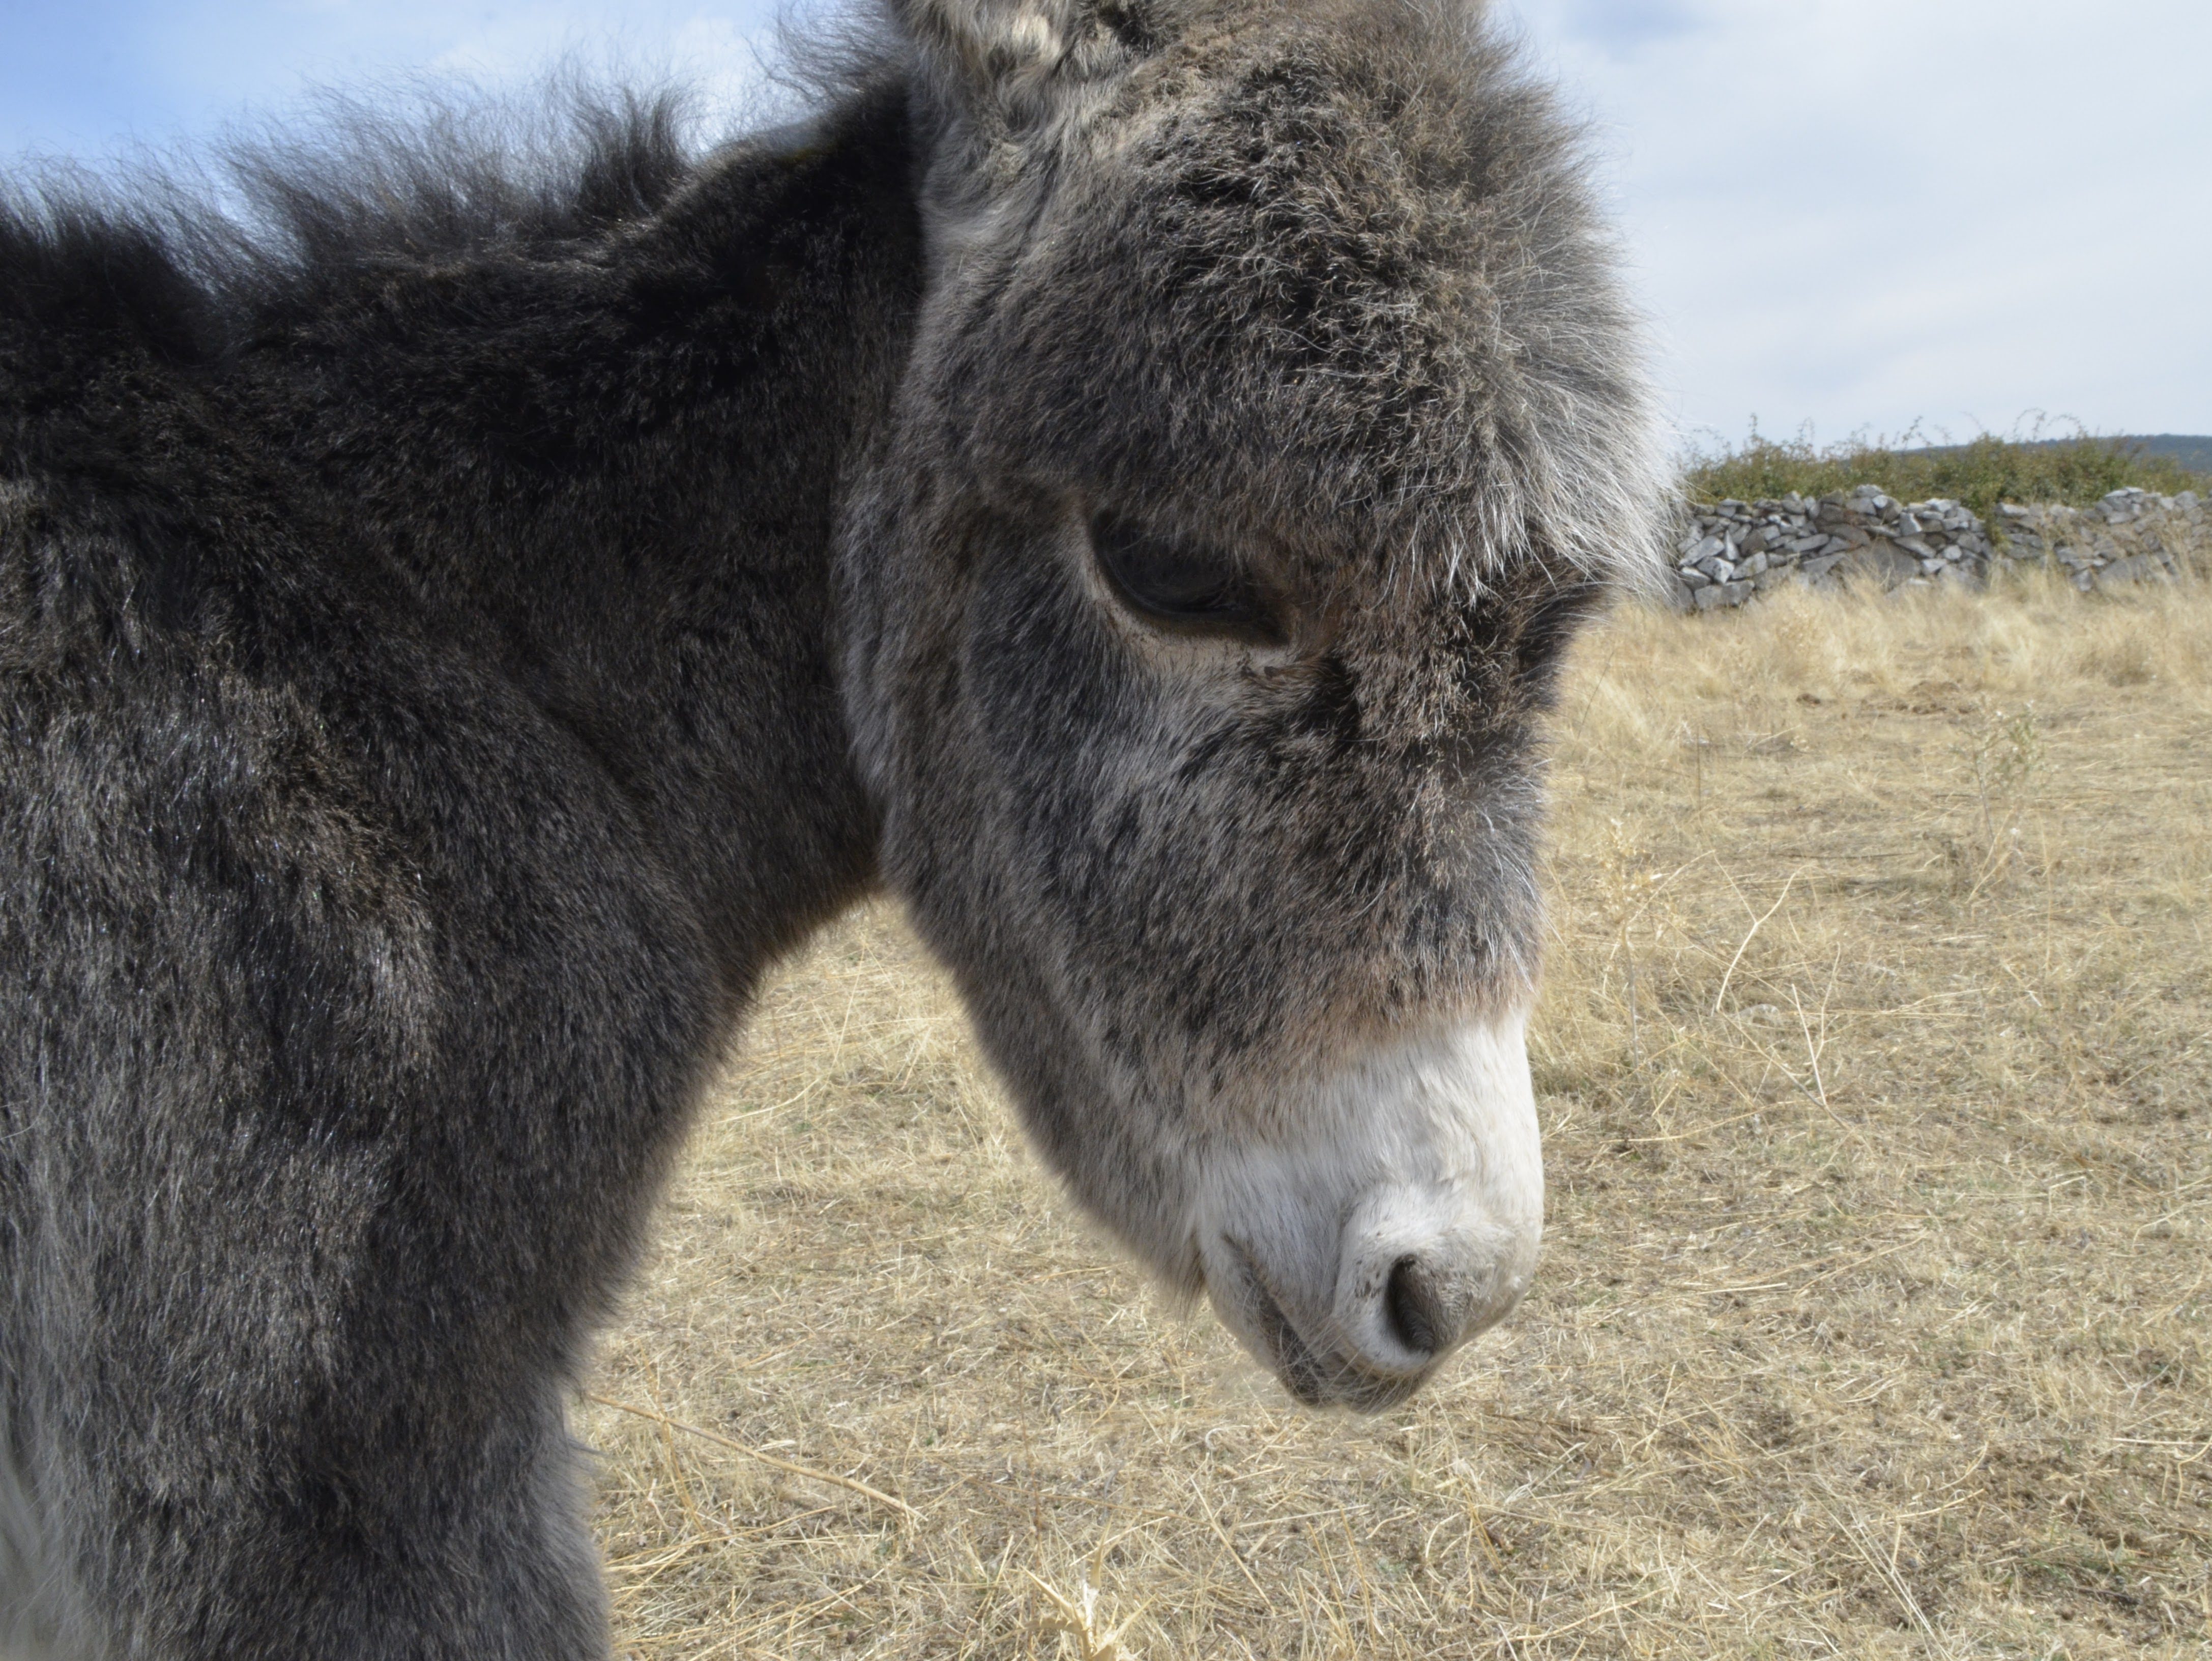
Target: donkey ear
<point>1003,64</point>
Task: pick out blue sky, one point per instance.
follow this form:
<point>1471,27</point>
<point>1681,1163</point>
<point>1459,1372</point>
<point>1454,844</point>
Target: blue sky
<point>1855,213</point>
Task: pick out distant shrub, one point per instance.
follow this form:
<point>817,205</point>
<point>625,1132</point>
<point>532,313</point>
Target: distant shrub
<point>2077,472</point>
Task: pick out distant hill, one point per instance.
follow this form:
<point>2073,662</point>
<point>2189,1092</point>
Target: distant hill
<point>2194,454</point>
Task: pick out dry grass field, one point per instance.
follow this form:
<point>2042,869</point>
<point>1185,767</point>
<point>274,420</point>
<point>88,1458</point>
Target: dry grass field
<point>1875,1061</point>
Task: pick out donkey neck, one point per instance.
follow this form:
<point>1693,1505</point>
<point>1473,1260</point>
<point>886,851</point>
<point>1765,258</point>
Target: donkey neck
<point>614,465</point>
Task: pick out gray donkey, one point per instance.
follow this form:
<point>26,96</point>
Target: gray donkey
<point>1119,476</point>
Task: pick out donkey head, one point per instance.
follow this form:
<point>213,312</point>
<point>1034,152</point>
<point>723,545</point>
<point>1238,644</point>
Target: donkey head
<point>1272,421</point>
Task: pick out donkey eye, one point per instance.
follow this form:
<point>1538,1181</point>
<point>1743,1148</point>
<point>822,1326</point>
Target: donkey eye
<point>1178,583</point>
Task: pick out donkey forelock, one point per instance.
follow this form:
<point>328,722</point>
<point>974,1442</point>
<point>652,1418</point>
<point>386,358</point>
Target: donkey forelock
<point>1356,282</point>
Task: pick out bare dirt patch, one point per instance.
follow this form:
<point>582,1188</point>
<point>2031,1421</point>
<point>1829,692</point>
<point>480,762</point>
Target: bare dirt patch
<point>1875,1060</point>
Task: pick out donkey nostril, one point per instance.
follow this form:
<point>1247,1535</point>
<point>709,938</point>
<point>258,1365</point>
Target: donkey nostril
<point>1410,1303</point>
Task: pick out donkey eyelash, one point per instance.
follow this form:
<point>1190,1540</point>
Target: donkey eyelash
<point>1180,585</point>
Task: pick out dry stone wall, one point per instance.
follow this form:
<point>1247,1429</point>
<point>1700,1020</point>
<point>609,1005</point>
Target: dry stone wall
<point>1731,551</point>
<point>2128,537</point>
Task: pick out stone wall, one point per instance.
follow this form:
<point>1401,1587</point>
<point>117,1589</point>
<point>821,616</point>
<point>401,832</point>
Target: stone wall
<point>2128,536</point>
<point>1728,552</point>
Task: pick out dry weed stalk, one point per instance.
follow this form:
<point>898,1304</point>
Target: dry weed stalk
<point>892,1502</point>
<point>1077,1618</point>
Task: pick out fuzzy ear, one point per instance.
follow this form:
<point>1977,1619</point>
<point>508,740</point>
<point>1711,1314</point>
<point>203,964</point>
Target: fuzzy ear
<point>1003,64</point>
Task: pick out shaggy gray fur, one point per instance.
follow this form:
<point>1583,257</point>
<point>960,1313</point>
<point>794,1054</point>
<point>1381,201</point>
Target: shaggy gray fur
<point>451,645</point>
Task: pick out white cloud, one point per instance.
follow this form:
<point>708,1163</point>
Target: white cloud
<point>1871,213</point>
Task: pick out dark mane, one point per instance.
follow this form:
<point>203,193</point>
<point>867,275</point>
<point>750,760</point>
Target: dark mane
<point>185,253</point>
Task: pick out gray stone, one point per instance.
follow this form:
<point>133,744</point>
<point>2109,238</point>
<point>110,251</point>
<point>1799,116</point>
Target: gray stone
<point>1882,562</point>
<point>2139,568</point>
<point>2122,506</point>
<point>1695,579</point>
